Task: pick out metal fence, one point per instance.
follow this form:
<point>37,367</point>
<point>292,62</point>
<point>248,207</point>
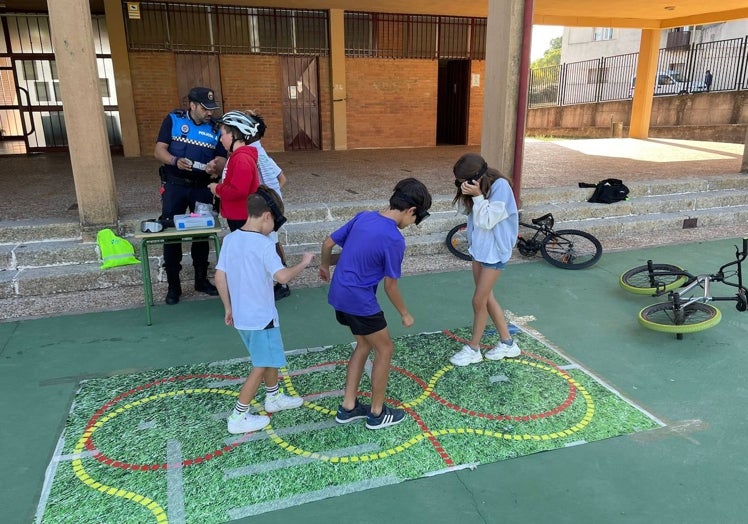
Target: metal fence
<point>613,77</point>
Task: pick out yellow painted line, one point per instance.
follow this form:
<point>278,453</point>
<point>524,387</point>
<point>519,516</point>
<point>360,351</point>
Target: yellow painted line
<point>159,513</point>
<point>586,419</point>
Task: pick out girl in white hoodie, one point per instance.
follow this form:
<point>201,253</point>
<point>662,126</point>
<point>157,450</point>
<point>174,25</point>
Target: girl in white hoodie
<point>486,197</point>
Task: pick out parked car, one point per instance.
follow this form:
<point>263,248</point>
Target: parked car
<point>671,83</point>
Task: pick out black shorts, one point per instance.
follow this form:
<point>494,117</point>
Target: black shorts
<point>365,325</point>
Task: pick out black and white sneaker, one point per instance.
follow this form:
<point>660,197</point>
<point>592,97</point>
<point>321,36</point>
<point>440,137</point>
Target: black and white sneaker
<point>358,412</point>
<point>388,417</point>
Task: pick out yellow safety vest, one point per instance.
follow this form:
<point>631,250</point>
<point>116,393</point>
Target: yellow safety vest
<point>115,251</point>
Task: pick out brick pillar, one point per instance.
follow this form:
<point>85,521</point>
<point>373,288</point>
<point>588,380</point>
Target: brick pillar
<point>72,39</point>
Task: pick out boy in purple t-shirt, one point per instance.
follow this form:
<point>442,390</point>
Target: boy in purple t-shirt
<point>372,250</point>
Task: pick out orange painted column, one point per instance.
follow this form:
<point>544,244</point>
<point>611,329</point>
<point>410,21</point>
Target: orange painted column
<point>646,73</point>
<point>337,80</point>
<point>73,42</point>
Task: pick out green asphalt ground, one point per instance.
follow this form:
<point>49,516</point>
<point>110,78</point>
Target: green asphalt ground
<point>692,470</point>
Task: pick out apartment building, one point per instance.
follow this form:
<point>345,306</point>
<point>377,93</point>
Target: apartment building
<point>588,43</point>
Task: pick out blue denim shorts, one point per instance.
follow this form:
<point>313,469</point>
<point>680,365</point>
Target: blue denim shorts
<point>265,347</point>
<point>497,265</point>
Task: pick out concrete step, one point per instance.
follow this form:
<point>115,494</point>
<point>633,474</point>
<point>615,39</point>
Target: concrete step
<point>19,231</point>
<point>572,193</point>
<point>43,261</point>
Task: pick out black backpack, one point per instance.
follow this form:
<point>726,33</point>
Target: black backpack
<point>607,191</point>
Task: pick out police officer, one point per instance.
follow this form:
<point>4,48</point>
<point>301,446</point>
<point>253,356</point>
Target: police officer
<point>186,144</point>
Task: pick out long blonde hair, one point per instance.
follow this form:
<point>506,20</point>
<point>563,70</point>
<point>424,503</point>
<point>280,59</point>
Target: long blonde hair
<point>472,166</point>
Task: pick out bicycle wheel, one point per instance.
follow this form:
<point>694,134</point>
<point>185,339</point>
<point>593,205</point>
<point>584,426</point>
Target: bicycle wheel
<point>665,277</point>
<point>571,249</point>
<point>457,242</point>
<point>665,318</point>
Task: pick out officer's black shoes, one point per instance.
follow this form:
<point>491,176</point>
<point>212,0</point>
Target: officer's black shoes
<point>173,294</point>
<point>206,287</point>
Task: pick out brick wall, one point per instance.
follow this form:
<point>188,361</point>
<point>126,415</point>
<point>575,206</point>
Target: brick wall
<point>391,103</point>
<point>154,89</point>
<point>475,111</point>
<point>253,82</point>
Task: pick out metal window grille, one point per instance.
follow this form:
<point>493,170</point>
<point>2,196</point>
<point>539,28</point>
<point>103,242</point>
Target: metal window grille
<point>382,35</point>
<point>227,29</point>
<point>38,117</point>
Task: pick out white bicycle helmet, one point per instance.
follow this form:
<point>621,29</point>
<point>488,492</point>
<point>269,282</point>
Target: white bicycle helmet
<point>252,127</point>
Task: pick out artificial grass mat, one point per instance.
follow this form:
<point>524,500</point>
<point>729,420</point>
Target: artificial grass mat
<point>153,446</point>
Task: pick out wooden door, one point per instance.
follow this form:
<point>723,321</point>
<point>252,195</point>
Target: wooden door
<point>196,70</point>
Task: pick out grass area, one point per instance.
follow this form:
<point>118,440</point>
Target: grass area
<point>151,447</point>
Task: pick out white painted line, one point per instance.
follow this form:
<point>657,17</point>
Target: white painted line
<point>49,477</point>
<point>69,457</point>
<point>174,482</point>
<point>273,465</point>
<point>228,362</point>
<point>311,496</point>
<point>469,465</point>
<point>292,430</point>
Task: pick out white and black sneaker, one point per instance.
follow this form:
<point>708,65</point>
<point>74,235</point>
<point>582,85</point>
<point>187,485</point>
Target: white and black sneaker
<point>388,417</point>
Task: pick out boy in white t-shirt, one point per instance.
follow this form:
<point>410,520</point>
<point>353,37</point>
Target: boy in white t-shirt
<point>247,266</point>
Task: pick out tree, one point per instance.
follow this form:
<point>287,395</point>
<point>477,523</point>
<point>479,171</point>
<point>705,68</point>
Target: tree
<point>551,57</point>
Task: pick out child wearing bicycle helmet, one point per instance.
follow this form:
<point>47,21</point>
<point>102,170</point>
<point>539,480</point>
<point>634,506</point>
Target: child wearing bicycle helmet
<point>240,177</point>
<point>486,197</point>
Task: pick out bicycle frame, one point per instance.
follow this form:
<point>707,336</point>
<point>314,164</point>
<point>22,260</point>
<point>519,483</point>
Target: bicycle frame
<point>704,281</point>
<point>685,311</point>
<point>542,226</point>
<point>565,248</point>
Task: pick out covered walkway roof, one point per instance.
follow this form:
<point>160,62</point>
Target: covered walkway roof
<point>639,14</point>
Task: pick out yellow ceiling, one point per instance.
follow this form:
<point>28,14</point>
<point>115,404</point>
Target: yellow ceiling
<point>652,14</point>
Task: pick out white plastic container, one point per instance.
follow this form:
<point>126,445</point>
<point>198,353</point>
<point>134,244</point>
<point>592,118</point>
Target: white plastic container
<point>182,222</point>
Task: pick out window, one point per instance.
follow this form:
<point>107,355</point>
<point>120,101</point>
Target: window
<point>602,33</point>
